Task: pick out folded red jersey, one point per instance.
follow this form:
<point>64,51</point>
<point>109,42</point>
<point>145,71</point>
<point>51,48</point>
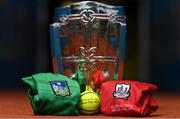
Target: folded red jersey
<point>127,98</point>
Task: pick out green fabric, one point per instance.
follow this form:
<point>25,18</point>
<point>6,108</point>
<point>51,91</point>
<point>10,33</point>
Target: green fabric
<point>80,78</point>
<point>46,101</point>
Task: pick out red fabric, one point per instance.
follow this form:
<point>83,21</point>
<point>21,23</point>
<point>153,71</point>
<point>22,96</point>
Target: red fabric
<point>127,98</point>
<point>98,78</point>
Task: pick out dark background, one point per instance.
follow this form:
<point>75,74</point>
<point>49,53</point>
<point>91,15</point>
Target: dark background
<point>153,40</point>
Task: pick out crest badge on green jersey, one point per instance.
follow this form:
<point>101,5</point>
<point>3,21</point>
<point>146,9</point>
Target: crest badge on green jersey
<point>60,88</point>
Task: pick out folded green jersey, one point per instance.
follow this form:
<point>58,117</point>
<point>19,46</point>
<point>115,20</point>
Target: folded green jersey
<point>53,94</point>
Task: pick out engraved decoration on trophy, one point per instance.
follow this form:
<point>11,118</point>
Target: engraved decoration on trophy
<point>88,57</point>
<point>87,15</point>
<point>114,18</point>
<point>63,19</point>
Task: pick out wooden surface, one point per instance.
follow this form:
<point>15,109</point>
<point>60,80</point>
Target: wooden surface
<point>15,104</point>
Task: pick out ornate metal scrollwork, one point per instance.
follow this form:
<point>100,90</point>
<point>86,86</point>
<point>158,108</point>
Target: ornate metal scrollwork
<point>87,15</point>
<point>114,18</point>
<point>87,56</point>
<point>63,19</point>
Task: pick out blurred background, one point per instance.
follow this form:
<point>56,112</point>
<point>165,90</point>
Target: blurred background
<point>153,40</point>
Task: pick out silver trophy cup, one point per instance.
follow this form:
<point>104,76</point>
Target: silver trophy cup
<point>90,36</point>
